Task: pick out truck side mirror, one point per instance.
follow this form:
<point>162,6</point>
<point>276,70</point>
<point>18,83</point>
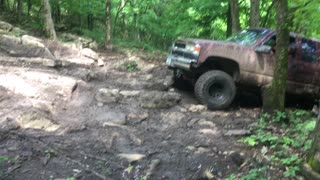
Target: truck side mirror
<point>263,49</point>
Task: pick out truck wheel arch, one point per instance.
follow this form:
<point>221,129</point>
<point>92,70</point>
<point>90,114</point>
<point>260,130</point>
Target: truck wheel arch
<point>226,65</point>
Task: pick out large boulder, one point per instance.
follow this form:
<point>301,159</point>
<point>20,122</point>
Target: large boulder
<point>5,26</point>
<point>33,41</point>
<point>25,47</point>
<point>89,53</point>
<point>9,43</point>
<point>17,31</point>
<point>159,99</point>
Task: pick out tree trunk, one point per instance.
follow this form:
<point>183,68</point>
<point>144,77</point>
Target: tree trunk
<point>122,5</point>
<point>58,13</point>
<point>254,13</point>
<point>266,18</point>
<point>136,25</point>
<point>229,22</point>
<point>19,10</point>
<point>313,158</point>
<point>48,22</point>
<point>274,97</point>
<point>107,41</point>
<point>2,6</point>
<point>90,21</point>
<point>234,7</point>
<point>29,4</point>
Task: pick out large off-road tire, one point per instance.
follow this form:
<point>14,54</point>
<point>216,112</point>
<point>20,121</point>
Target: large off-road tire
<point>215,89</point>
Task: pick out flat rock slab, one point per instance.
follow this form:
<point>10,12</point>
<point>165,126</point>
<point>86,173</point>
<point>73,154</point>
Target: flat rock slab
<point>36,84</point>
<point>112,118</point>
<point>146,99</point>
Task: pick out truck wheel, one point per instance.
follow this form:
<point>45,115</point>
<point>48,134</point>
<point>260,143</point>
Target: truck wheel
<point>215,89</point>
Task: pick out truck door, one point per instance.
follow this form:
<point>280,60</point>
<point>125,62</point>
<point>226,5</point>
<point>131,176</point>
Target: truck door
<point>293,63</point>
<point>308,64</point>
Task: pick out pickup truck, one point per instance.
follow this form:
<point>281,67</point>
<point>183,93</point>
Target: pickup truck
<point>246,59</point>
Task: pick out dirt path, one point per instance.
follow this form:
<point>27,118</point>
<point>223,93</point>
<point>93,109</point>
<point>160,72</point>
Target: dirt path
<point>53,126</point>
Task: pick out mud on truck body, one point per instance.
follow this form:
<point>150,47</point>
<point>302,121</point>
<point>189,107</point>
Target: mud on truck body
<point>245,59</point>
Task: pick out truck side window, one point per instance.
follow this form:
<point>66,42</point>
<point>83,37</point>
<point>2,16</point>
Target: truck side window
<point>308,49</point>
<point>271,42</point>
<point>292,44</point>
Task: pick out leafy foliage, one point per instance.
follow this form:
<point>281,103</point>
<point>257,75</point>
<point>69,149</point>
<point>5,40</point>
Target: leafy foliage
<point>283,143</point>
<point>129,66</point>
<point>159,22</point>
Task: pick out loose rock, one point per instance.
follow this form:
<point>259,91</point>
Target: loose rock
<point>112,118</point>
<point>89,53</point>
<point>197,108</point>
<point>160,84</point>
<point>130,94</point>
<point>132,157</point>
<point>237,132</point>
<point>108,95</point>
<point>37,120</point>
<point>206,123</point>
<point>8,124</point>
<point>158,99</point>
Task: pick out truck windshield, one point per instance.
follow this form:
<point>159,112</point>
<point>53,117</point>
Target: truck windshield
<point>247,37</point>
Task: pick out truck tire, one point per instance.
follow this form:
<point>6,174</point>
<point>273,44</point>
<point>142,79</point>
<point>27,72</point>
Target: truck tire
<point>215,89</point>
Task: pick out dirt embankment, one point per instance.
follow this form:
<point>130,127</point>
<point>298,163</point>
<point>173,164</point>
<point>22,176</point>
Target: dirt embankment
<point>67,111</point>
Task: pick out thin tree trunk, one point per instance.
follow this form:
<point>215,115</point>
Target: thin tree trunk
<point>254,13</point>
<point>2,6</point>
<point>29,4</point>
<point>234,7</point>
<point>58,13</point>
<point>19,10</point>
<point>107,41</point>
<point>120,9</point>
<point>264,24</point>
<point>136,24</point>
<point>229,22</point>
<point>48,22</point>
<point>274,97</point>
<point>90,21</point>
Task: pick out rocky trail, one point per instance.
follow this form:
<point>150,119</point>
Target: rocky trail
<point>71,112</point>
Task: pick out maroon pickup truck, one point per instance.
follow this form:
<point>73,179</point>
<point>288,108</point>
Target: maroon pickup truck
<point>245,59</point>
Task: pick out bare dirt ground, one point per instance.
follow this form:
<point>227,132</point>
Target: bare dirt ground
<point>55,128</point>
<point>53,125</point>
